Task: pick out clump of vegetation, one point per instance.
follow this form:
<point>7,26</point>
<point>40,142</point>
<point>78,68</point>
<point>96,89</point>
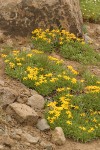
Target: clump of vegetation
<point>91,10</point>
<point>75,97</point>
<point>66,44</point>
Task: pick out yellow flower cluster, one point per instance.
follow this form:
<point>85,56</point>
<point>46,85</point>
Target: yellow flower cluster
<point>57,35</point>
<point>40,78</point>
<point>92,89</point>
<point>15,52</point>
<point>3,55</point>
<point>55,110</point>
<point>11,64</point>
<point>37,51</point>
<point>60,89</point>
<point>73,70</point>
<point>58,61</point>
<point>88,130</point>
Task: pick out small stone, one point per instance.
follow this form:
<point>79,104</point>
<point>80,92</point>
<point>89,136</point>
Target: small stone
<point>26,143</point>
<point>7,96</point>
<point>58,137</point>
<point>49,147</point>
<point>46,145</point>
<point>18,131</point>
<point>1,147</point>
<point>7,141</point>
<point>43,125</point>
<point>23,113</point>
<point>29,138</point>
<point>9,119</point>
<point>15,136</point>
<point>87,38</point>
<point>36,101</point>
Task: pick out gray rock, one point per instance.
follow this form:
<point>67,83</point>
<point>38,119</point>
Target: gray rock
<point>57,13</point>
<point>36,101</point>
<point>23,113</point>
<point>29,138</point>
<point>7,96</point>
<point>58,137</point>
<point>43,125</point>
<point>87,38</point>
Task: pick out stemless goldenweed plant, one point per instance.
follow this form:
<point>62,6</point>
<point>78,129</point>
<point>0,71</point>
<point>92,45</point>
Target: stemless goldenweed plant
<point>75,104</point>
<point>49,40</point>
<point>64,43</point>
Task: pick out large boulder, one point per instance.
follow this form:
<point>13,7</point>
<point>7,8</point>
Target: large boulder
<point>20,17</point>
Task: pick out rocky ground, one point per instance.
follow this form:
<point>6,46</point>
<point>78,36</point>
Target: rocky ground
<point>22,123</point>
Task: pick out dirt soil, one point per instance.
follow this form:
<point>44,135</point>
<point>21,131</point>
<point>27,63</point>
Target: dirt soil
<point>8,125</point>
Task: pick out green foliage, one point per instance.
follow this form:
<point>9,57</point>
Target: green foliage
<point>81,53</point>
<point>66,44</point>
<point>91,10</point>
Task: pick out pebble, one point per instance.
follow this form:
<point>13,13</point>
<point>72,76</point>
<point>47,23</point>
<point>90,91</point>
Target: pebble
<point>58,137</point>
<point>30,139</point>
<point>36,101</point>
<point>43,125</point>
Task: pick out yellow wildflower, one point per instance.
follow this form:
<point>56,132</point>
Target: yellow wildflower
<point>82,128</point>
<point>98,82</point>
<point>73,80</point>
<point>69,122</point>
<point>19,64</point>
<point>49,75</point>
<point>53,79</point>
<point>3,55</point>
<point>81,81</point>
<point>12,65</point>
<point>6,61</point>
<point>94,120</point>
<point>25,78</point>
<point>82,114</point>
<point>37,51</point>
<point>91,130</point>
<point>60,89</point>
<point>29,55</point>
